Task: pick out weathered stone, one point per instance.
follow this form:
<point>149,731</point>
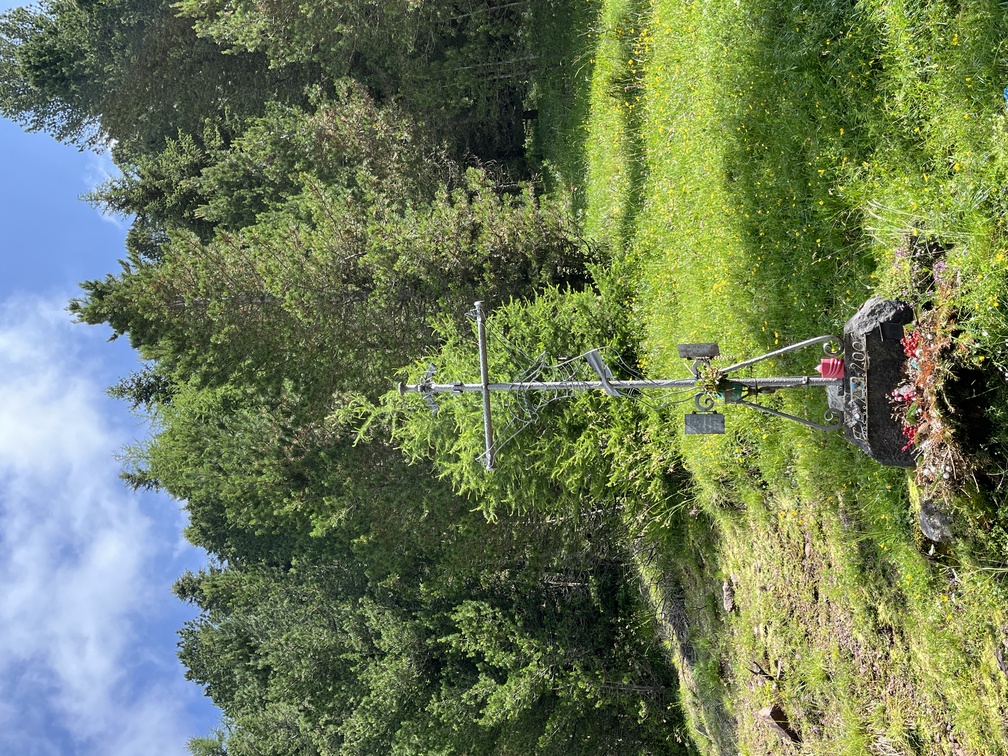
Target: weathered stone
<point>873,369</point>
<point>775,719</point>
<point>934,521</point>
<point>877,311</point>
<point>1001,657</point>
<point>728,596</point>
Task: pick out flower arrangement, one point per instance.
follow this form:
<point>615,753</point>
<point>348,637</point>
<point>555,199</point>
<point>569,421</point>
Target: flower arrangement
<point>709,379</point>
<point>919,403</point>
<point>910,399</point>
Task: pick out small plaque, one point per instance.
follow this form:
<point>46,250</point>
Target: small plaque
<point>891,331</point>
<point>704,423</point>
<point>699,351</point>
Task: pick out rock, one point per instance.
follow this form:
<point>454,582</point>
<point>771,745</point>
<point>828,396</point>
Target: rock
<point>1001,657</point>
<point>934,522</point>
<point>932,518</point>
<point>727,596</point>
<point>873,369</point>
<point>876,311</point>
<point>775,719</point>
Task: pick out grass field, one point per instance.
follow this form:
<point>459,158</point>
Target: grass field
<point>761,168</point>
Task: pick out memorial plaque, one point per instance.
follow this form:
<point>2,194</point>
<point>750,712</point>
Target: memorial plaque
<point>704,423</point>
<point>699,351</point>
<point>874,362</point>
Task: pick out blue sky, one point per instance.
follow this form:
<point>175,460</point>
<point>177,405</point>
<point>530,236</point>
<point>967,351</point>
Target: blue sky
<point>87,618</point>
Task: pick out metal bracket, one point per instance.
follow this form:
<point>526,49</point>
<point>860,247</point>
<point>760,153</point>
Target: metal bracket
<point>701,354</point>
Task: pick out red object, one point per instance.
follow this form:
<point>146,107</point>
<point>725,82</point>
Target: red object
<point>831,368</point>
<point>911,344</point>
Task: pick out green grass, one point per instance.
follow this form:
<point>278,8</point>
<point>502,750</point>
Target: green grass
<point>757,164</point>
<point>561,43</point>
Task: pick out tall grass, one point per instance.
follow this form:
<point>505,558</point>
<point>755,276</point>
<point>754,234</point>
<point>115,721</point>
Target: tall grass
<point>757,163</point>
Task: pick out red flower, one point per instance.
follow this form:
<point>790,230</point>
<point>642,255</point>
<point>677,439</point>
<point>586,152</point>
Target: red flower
<point>910,431</point>
<point>911,343</point>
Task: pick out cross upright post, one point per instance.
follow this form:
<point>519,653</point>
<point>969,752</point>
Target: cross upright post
<point>485,384</point>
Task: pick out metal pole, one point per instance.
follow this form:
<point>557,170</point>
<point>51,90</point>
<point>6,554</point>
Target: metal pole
<point>685,383</point>
<point>485,384</point>
<point>786,416</point>
<point>785,350</point>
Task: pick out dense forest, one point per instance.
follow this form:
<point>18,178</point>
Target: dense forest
<point>318,192</point>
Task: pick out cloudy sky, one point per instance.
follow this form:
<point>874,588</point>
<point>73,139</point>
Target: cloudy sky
<point>87,618</point>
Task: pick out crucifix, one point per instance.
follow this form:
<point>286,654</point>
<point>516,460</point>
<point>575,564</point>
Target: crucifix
<point>712,384</point>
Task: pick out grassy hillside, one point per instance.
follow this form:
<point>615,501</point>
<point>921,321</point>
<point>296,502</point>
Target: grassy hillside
<point>763,168</point>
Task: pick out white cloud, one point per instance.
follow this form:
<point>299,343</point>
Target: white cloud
<point>100,168</point>
<point>80,587</point>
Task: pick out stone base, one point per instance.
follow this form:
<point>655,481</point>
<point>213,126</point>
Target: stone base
<point>873,369</point>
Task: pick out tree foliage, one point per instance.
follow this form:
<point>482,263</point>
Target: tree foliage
<point>335,289</point>
<point>512,663</point>
<point>317,192</point>
<point>124,71</point>
<point>456,64</point>
<point>557,451</point>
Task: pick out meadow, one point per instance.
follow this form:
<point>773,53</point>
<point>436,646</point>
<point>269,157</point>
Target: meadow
<point>760,168</point>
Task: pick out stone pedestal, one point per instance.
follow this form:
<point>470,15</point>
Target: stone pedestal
<point>874,361</point>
